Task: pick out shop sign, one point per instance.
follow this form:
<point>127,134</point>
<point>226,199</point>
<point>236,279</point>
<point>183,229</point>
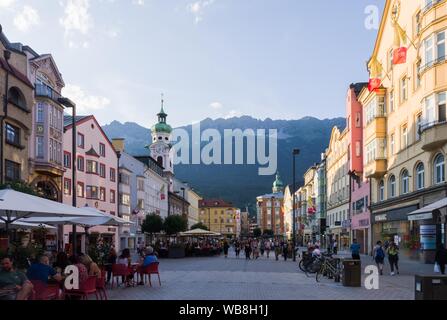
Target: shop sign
<point>346,224</point>
<point>428,237</point>
<point>381,217</point>
<point>337,223</point>
<point>422,216</point>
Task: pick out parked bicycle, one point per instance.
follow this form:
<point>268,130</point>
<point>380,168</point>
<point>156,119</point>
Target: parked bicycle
<point>330,267</point>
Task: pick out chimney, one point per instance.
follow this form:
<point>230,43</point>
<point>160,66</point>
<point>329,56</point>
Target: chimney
<point>118,144</point>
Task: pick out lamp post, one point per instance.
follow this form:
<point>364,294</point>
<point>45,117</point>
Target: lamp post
<point>70,104</point>
<point>295,153</point>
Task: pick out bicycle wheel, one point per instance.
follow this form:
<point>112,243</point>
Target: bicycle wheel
<point>319,274</point>
<point>301,265</point>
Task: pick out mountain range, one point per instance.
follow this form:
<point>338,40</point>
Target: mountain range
<point>241,184</point>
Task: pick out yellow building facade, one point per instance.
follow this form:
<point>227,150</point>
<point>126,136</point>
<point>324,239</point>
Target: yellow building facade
<point>405,128</point>
<point>219,216</point>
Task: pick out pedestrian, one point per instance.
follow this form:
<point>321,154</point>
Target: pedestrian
<point>225,248</point>
<point>237,248</point>
<point>285,251</point>
<point>247,250</point>
<point>355,250</point>
<point>379,256</point>
<point>267,248</point>
<point>393,257</point>
<point>262,247</point>
<point>277,250</point>
<point>335,247</point>
<point>441,258</point>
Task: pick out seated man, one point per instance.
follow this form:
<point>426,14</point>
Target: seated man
<point>42,271</point>
<point>149,258</point>
<point>13,284</point>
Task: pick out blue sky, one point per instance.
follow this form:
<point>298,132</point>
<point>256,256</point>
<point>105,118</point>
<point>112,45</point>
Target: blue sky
<point>282,59</point>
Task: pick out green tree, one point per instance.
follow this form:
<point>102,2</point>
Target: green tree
<point>21,186</point>
<point>152,224</point>
<point>175,224</point>
<point>199,225</point>
<point>257,232</point>
<point>268,233</point>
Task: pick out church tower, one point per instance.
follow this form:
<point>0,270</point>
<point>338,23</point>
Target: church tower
<point>160,147</point>
<point>278,185</point>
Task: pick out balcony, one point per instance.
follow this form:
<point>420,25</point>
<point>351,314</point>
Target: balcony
<point>433,135</point>
<point>376,169</point>
<point>42,90</point>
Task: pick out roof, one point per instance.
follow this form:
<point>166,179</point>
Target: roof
<point>272,195</point>
<point>92,152</point>
<point>68,120</point>
<point>16,73</point>
<point>214,203</point>
<point>358,87</point>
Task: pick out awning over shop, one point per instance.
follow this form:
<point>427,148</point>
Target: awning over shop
<point>426,212</point>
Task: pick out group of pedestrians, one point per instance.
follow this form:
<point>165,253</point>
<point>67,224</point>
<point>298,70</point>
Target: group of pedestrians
<point>256,248</point>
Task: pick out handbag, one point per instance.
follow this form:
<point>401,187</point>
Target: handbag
<point>436,268</point>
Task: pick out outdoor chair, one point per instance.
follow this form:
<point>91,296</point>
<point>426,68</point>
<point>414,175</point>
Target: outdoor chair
<point>86,288</point>
<point>43,291</point>
<point>150,269</point>
<point>101,285</point>
<point>119,271</point>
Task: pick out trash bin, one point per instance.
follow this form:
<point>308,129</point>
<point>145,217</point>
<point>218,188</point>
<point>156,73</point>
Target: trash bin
<point>352,273</point>
<point>430,287</point>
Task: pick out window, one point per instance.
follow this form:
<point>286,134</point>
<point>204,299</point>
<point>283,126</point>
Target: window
<point>81,140</point>
<point>124,178</point>
<point>12,170</point>
<point>429,51</point>
<point>418,23</point>
<point>442,114</point>
<point>92,166</point>
<point>404,136</point>
<point>429,109</point>
<point>440,46</point>
<point>140,185</point>
<point>140,204</point>
<point>439,168</point>
<point>102,170</point>
<point>420,176</point>
<point>390,59</point>
<point>405,182</point>
<point>92,192</point>
<point>417,73</point>
<point>112,196</point>
<point>102,194</point>
<point>371,151</point>
<point>102,149</point>
<point>40,113</point>
<point>80,163</point>
<point>16,97</point>
<point>67,159</point>
<point>418,126</point>
<point>39,147</point>
<point>392,186</point>
<point>125,199</point>
<point>112,175</point>
<point>376,108</point>
<point>403,89</point>
<point>391,101</point>
<point>12,135</point>
<point>67,187</point>
<point>392,143</point>
<point>80,190</point>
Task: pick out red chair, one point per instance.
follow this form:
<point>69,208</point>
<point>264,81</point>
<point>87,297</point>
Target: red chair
<point>150,269</point>
<point>86,288</point>
<point>43,291</point>
<point>120,271</point>
<point>101,285</point>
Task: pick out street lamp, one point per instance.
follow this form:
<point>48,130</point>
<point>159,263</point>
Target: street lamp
<point>295,153</point>
<point>70,104</point>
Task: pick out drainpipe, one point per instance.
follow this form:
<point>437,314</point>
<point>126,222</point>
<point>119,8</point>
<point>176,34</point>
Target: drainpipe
<point>370,216</point>
<point>117,193</point>
<point>7,56</point>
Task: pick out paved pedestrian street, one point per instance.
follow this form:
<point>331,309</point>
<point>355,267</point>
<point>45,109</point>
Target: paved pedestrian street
<point>217,278</point>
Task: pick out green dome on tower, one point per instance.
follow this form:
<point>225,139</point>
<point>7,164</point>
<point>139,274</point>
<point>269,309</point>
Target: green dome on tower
<point>162,126</point>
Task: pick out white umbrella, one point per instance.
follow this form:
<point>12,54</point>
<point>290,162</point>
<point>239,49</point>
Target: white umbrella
<point>16,205</point>
<point>199,232</point>
<point>26,225</point>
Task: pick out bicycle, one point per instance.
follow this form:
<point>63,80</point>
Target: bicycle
<point>331,268</point>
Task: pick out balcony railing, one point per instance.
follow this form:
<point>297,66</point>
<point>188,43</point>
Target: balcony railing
<point>426,126</point>
<point>43,90</point>
<point>430,64</point>
<point>431,5</point>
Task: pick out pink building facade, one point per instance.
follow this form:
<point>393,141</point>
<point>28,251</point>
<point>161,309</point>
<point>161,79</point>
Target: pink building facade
<point>359,187</point>
<point>96,177</point>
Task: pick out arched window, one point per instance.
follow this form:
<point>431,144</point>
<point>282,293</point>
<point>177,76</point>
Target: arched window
<point>405,180</point>
<point>382,190</point>
<point>160,161</point>
<point>15,96</point>
<point>392,187</point>
<point>439,169</point>
<point>420,176</point>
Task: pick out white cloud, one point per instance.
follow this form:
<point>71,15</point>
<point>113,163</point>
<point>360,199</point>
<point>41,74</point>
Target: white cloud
<point>138,2</point>
<point>84,103</point>
<point>26,18</point>
<point>232,114</point>
<point>6,3</point>
<point>76,17</point>
<point>197,9</point>
<point>216,105</point>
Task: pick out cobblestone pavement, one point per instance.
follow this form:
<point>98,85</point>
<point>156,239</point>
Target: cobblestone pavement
<point>217,278</point>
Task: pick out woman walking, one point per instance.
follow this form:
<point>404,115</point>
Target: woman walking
<point>441,258</point>
<point>226,246</point>
<point>247,250</point>
<point>393,257</point>
<point>267,248</point>
<point>237,248</point>
<point>277,250</point>
<point>379,256</point>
